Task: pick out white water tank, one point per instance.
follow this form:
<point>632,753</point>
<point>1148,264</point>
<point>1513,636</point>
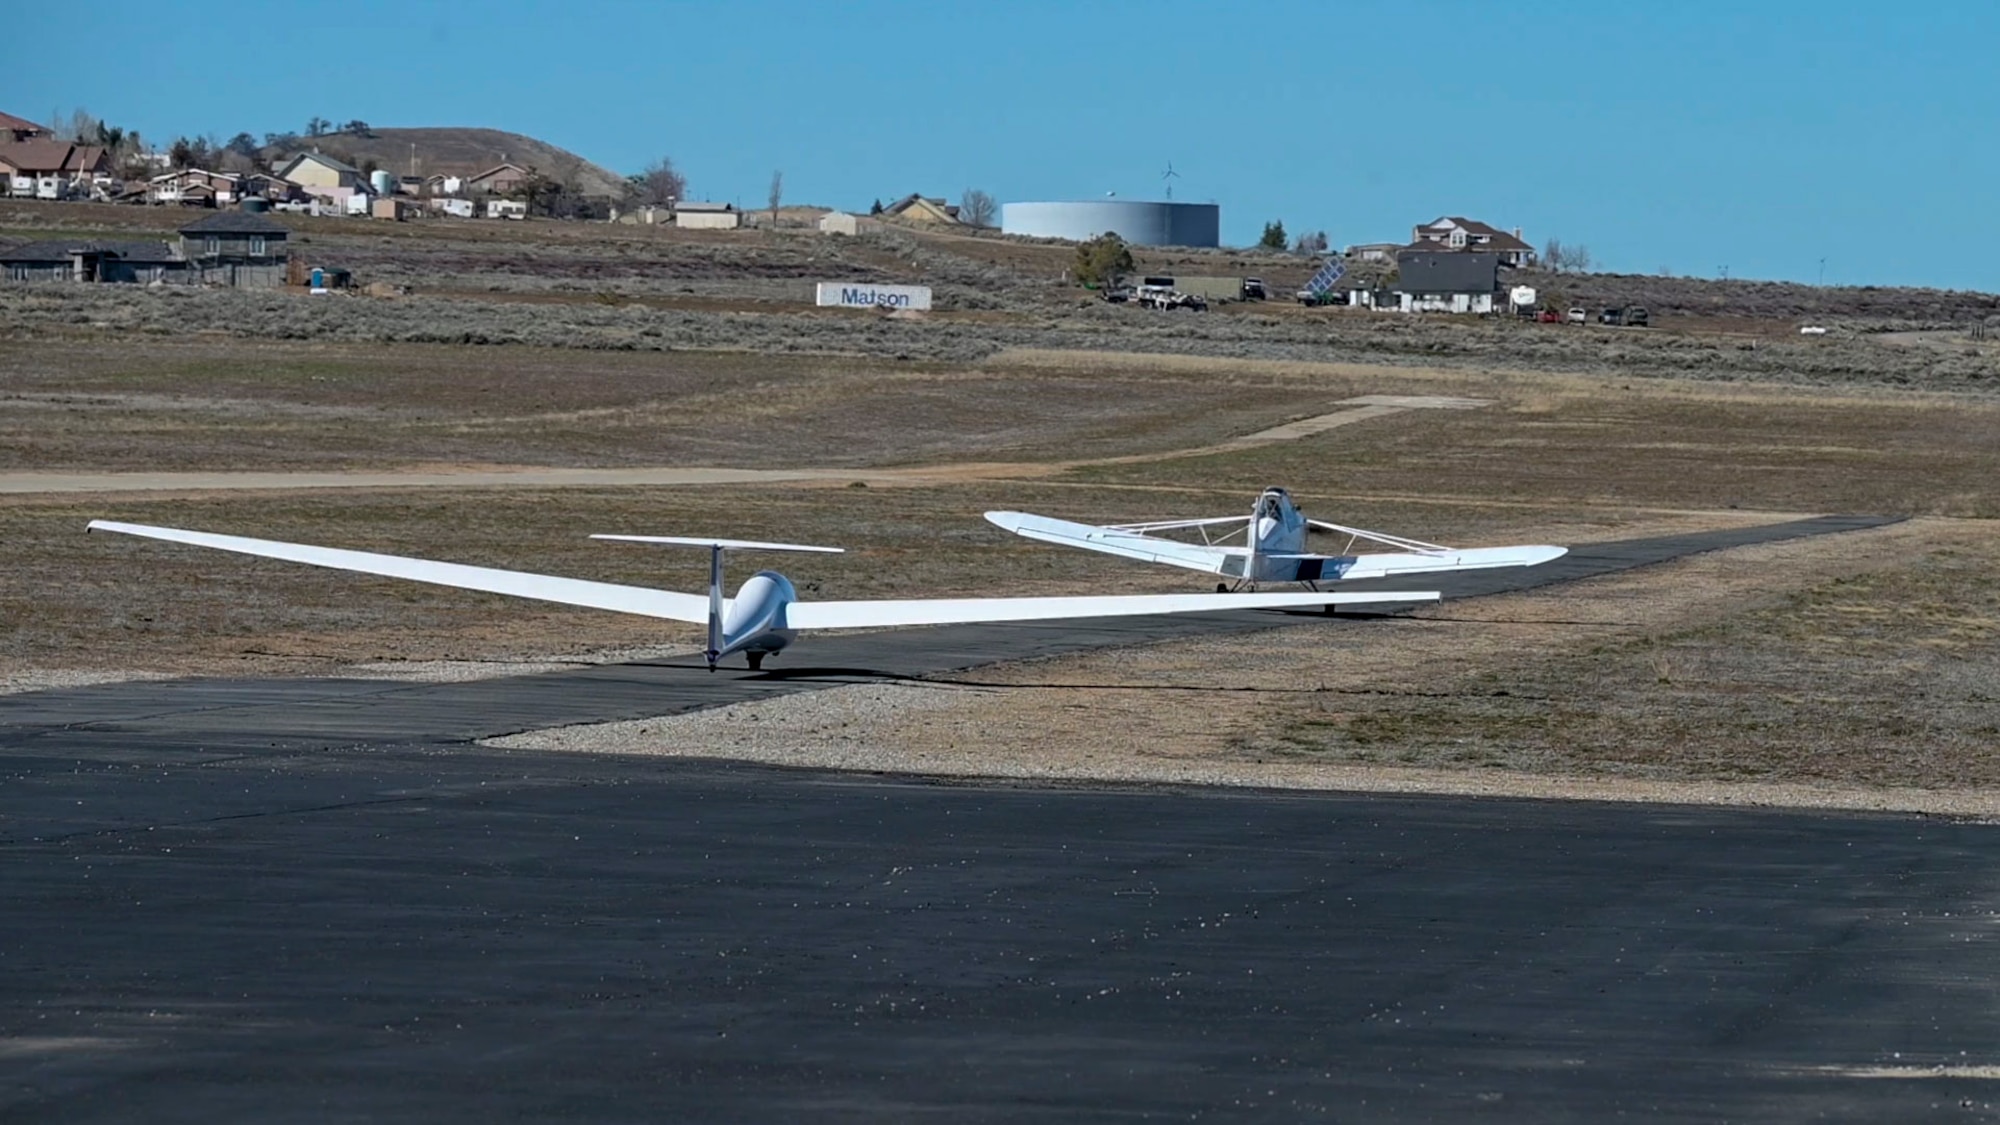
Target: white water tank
<point>382,182</point>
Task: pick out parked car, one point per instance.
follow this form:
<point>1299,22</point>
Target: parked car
<point>1154,297</point>
<point>1611,316</point>
<point>1579,316</point>
<point>1636,317</point>
<point>1549,316</point>
<point>1118,294</point>
<point>1253,289</point>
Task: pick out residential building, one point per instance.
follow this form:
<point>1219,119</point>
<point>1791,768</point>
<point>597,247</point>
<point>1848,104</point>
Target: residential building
<point>269,187</point>
<point>237,248</point>
<point>499,179</point>
<point>846,222</point>
<point>91,261</point>
<point>317,170</point>
<point>41,168</point>
<point>915,208</point>
<point>691,215</point>
<point>443,185</point>
<point>1455,232</point>
<point>1445,280</point>
<point>195,187</point>
<point>506,209</point>
<point>14,128</point>
<point>1373,252</point>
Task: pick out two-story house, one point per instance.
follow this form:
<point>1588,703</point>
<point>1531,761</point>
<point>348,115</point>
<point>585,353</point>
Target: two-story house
<point>1455,232</point>
<point>240,248</point>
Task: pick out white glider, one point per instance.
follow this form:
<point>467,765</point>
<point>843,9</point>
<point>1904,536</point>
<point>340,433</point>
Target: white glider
<point>1268,545</point>
<point>766,614</point>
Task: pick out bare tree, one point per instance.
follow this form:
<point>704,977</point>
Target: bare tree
<point>1558,258</point>
<point>660,183</point>
<point>976,208</point>
<point>1553,255</point>
<point>83,127</point>
<point>777,195</point>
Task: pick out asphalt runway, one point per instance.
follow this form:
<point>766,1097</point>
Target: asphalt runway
<point>318,900</point>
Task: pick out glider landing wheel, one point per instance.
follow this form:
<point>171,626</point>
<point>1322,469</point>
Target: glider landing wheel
<point>756,660</point>
<point>1222,587</point>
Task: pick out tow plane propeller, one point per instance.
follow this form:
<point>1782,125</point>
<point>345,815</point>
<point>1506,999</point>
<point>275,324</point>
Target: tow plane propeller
<point>766,614</point>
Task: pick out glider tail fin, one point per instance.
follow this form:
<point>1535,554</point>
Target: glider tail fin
<point>716,547</point>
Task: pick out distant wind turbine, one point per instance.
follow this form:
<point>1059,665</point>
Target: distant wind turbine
<point>1170,176</point>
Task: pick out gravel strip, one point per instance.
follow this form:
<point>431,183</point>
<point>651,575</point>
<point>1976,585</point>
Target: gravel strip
<point>838,729</point>
<point>50,679</point>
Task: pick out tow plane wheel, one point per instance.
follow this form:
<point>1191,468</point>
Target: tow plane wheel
<point>756,660</point>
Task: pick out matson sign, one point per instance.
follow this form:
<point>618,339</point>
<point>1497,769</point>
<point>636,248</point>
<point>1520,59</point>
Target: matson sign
<point>837,295</point>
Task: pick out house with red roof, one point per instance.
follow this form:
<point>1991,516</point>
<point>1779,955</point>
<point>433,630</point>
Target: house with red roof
<point>14,128</point>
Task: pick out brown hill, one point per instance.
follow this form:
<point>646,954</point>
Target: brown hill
<point>456,151</point>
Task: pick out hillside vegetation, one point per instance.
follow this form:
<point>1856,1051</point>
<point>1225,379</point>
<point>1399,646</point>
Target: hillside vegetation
<point>458,151</point>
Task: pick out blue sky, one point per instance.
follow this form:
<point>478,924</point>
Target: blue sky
<point>1688,136</point>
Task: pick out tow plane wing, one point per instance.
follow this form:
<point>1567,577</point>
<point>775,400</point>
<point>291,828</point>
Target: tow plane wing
<point>1268,545</point>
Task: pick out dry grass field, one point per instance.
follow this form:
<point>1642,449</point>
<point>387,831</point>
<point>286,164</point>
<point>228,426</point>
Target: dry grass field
<point>1862,659</point>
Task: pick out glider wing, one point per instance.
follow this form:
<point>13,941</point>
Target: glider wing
<point>540,587</point>
<point>958,611</point>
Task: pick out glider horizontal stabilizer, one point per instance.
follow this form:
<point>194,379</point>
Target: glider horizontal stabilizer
<point>725,544</point>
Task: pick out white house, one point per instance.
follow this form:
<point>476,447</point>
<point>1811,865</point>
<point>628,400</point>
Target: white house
<point>846,222</point>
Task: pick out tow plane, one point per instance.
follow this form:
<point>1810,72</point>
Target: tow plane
<point>1268,545</point>
<point>766,615</point>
